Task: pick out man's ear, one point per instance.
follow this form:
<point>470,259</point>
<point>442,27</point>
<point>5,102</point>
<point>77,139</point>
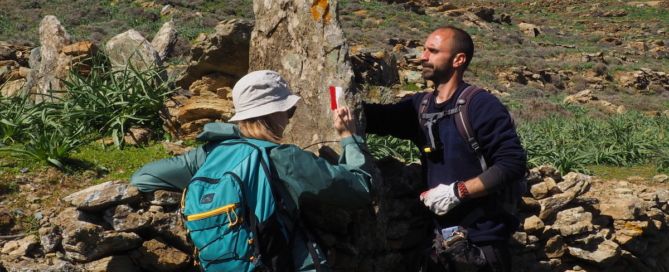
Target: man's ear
<point>459,60</point>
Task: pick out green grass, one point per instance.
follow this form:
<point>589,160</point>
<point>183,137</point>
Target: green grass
<point>646,171</point>
<point>618,140</point>
<point>120,164</point>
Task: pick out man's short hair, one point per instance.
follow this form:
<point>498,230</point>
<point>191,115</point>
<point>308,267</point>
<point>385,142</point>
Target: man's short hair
<point>462,43</point>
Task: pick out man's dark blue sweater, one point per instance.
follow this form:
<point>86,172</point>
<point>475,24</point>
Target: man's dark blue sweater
<point>456,161</point>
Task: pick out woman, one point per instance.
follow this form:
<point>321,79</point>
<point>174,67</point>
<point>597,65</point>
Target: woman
<point>264,105</point>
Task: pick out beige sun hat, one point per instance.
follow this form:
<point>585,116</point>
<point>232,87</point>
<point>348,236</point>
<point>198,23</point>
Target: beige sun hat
<point>261,93</point>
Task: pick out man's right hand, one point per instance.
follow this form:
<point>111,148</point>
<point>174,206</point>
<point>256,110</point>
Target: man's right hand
<point>343,122</point>
<point>440,199</point>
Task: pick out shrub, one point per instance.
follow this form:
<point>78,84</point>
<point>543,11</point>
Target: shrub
<point>386,146</point>
<point>572,143</point>
<point>16,115</point>
<point>51,138</point>
<point>115,100</point>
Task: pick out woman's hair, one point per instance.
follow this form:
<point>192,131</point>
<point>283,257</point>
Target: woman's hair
<point>263,128</point>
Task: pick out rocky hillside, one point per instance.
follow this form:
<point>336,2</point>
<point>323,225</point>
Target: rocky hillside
<point>538,56</point>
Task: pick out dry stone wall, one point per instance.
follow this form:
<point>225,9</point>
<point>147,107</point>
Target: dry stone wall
<point>569,223</point>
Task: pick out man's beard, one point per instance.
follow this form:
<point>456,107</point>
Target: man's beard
<point>437,75</point>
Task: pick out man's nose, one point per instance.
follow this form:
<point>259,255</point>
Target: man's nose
<point>425,55</point>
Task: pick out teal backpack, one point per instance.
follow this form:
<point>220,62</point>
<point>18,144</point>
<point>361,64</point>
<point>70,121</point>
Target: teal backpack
<point>231,213</point>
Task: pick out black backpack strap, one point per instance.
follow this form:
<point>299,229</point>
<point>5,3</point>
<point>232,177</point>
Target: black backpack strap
<point>423,107</point>
<point>279,190</point>
<point>463,124</point>
<point>428,120</point>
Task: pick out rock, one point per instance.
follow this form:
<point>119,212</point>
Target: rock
<point>189,115</point>
<point>215,83</point>
<point>533,224</point>
<point>125,218</point>
<point>639,47</point>
<point>101,196</point>
<point>50,238</point>
<point>117,263</point>
<point>661,178</point>
<point>137,136</point>
<point>22,247</point>
<point>555,247</point>
<point>16,52</point>
<point>628,235</point>
<point>169,227</point>
<point>375,68</point>
<point>621,208</point>
<point>485,13</point>
<point>157,256</point>
<point>529,29</point>
<point>411,77</point>
<point>46,76</point>
<point>304,42</point>
<point>78,56</point>
<point>165,40</point>
<point>6,221</point>
<point>573,221</point>
<point>176,148</point>
<point>32,265</point>
<point>529,204</point>
<point>131,48</point>
<point>164,198</point>
<point>226,51</point>
<point>551,205</point>
<point>575,182</point>
<point>85,247</point>
<point>544,189</point>
<point>605,254</point>
<point>581,97</point>
<point>12,88</point>
<point>85,240</point>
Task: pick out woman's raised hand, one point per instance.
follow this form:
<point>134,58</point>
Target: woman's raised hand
<point>344,123</point>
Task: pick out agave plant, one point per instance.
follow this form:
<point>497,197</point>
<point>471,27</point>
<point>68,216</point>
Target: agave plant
<point>16,115</point>
<point>50,139</point>
<point>115,100</point>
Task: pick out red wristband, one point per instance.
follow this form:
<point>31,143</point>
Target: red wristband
<point>462,190</point>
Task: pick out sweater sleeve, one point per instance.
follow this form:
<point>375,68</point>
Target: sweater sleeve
<point>496,134</point>
<point>399,120</point>
<point>310,177</point>
<point>169,174</point>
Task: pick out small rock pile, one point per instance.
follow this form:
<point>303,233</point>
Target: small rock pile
<point>13,67</point>
<point>577,223</point>
<point>586,97</point>
<point>110,227</point>
<point>646,81</point>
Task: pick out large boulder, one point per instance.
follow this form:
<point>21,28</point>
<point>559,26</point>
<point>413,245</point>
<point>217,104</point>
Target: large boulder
<point>304,42</point>
<point>101,196</point>
<point>211,101</point>
<point>225,52</point>
<point>165,40</point>
<point>131,48</point>
<point>45,77</point>
<point>85,240</point>
<point>217,61</point>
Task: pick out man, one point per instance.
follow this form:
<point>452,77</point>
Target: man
<point>465,194</point>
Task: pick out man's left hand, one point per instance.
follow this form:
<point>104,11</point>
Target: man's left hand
<point>440,199</point>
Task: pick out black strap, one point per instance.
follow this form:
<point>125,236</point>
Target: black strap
<point>461,112</point>
<point>276,185</point>
<point>463,124</point>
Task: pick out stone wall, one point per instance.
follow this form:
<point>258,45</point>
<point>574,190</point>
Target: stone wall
<point>572,222</point>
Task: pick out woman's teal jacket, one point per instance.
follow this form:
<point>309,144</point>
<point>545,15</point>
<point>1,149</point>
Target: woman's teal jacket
<point>306,177</point>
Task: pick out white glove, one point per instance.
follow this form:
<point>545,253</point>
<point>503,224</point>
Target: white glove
<point>440,199</point>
